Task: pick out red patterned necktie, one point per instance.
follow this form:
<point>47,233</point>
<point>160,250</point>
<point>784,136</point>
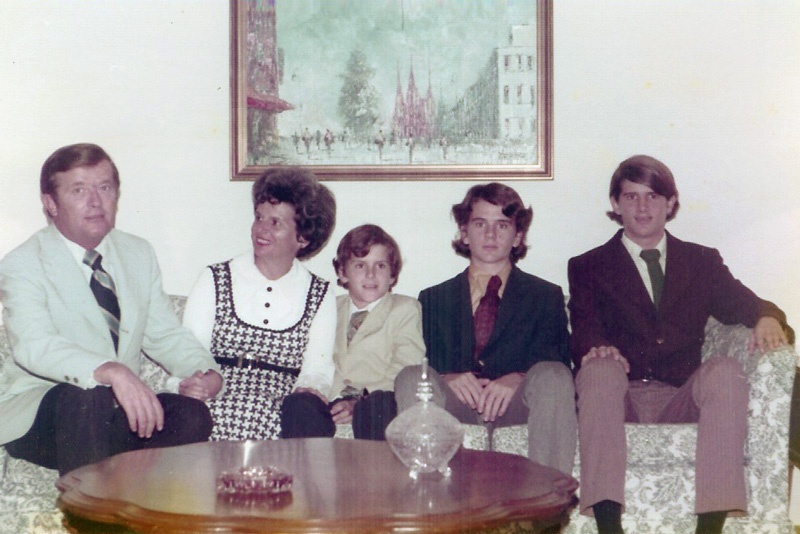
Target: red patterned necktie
<point>484,317</point>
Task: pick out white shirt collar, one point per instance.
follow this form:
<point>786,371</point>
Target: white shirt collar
<point>634,250</point>
<point>368,308</point>
<point>78,252</point>
<point>641,266</point>
<point>250,271</point>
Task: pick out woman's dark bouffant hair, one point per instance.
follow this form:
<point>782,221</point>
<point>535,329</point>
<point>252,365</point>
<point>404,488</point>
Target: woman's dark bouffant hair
<point>511,205</point>
<point>314,205</point>
<point>356,244</point>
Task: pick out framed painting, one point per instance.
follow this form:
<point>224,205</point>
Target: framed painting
<point>392,89</point>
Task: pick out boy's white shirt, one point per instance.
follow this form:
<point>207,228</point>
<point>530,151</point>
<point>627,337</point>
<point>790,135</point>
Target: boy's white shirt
<point>368,308</point>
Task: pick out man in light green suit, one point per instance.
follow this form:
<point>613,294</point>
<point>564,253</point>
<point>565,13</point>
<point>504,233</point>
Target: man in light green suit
<point>81,300</point>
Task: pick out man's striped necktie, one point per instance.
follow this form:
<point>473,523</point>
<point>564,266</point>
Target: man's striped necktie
<point>105,293</point>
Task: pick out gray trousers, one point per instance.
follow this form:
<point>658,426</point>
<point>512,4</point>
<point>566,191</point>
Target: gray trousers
<point>545,400</point>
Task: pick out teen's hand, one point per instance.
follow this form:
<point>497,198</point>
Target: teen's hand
<point>609,352</point>
<point>342,411</point>
<point>767,335</point>
<point>467,387</point>
<point>497,395</point>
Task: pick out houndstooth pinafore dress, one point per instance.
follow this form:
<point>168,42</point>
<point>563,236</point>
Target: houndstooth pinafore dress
<point>250,405</point>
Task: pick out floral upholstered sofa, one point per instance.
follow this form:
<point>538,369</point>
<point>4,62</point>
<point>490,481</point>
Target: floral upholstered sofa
<point>660,481</point>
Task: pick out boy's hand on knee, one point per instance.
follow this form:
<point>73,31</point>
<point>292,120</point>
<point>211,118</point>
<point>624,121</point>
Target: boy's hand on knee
<point>497,395</point>
<point>467,387</point>
<point>342,411</point>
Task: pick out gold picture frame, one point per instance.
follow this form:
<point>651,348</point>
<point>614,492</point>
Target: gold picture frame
<point>402,91</point>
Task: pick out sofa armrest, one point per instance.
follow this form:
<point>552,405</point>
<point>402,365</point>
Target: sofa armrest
<point>151,372</point>
<point>178,304</point>
<point>770,377</point>
<point>734,341</point>
<point>729,340</point>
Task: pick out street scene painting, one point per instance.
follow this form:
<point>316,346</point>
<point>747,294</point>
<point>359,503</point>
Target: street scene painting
<point>392,89</point>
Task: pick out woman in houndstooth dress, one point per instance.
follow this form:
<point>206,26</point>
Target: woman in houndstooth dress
<point>268,321</point>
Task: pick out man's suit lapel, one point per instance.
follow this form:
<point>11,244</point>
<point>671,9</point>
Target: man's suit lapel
<point>624,277</point>
<point>513,294</point>
<point>622,273</point>
<point>678,272</point>
<point>68,280</point>
<point>125,286</point>
<point>464,309</point>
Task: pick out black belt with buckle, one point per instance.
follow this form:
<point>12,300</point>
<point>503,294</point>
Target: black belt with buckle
<point>254,363</point>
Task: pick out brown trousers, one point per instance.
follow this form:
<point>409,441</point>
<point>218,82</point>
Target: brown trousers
<point>715,397</point>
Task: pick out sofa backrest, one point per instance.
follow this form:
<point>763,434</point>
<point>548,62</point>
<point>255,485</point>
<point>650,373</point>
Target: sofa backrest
<point>719,339</point>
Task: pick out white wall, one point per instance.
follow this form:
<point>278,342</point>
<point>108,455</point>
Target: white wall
<point>710,87</point>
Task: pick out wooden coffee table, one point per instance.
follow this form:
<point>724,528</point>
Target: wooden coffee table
<point>351,486</point>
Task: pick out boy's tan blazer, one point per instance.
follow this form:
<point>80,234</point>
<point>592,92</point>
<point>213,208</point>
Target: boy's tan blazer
<point>389,339</point>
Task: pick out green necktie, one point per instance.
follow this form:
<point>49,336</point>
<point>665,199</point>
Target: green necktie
<point>651,257</point>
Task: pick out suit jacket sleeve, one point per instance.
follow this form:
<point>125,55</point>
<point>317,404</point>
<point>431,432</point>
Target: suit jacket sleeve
<point>531,327</point>
<point>552,337</point>
<point>442,327</point>
<point>38,324</point>
<point>165,339</point>
<point>732,302</point>
<point>587,329</point>
<point>408,348</point>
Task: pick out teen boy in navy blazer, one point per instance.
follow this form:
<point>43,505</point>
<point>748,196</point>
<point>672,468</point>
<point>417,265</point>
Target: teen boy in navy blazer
<point>513,368</point>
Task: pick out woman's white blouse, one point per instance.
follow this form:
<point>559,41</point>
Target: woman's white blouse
<point>273,304</point>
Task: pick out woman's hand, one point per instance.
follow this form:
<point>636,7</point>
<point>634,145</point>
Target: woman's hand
<point>201,386</point>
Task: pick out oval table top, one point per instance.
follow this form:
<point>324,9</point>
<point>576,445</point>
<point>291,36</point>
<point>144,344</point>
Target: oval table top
<point>338,486</point>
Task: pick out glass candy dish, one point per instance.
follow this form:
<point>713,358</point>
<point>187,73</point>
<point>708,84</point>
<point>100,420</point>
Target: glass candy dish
<point>425,437</point>
<point>255,486</point>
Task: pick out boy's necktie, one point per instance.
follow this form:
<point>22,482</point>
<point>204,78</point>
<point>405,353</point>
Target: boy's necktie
<point>651,257</point>
<point>105,293</point>
<point>355,322</point>
<point>485,315</point>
